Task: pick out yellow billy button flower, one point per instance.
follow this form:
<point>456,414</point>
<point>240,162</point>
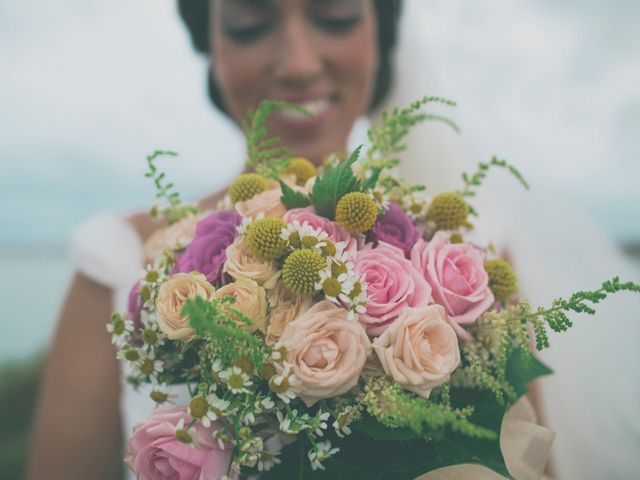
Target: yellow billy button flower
<point>247,186</point>
<point>302,168</point>
<point>449,211</point>
<point>357,212</point>
<point>301,271</point>
<point>502,281</point>
<point>264,238</point>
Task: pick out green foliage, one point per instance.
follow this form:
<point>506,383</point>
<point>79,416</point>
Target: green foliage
<point>582,301</point>
<point>334,183</point>
<point>471,181</point>
<point>387,139</point>
<point>175,210</point>
<point>393,407</point>
<point>221,324</point>
<point>264,154</point>
<point>292,198</point>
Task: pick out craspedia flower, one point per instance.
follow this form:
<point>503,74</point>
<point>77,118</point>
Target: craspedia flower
<point>246,186</point>
<point>301,271</point>
<point>502,281</point>
<point>448,210</point>
<point>264,238</point>
<point>302,168</point>
<point>357,212</point>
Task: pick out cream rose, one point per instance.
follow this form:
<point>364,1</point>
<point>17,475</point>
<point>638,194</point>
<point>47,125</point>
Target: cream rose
<point>327,352</point>
<point>267,202</point>
<point>177,235</point>
<point>419,350</point>
<point>172,295</point>
<point>251,301</point>
<point>240,264</point>
<point>285,308</point>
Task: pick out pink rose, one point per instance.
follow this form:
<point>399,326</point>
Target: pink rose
<point>392,284</point>
<point>155,453</point>
<point>457,276</point>
<point>336,233</point>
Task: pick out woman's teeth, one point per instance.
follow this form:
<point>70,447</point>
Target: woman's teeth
<point>314,108</point>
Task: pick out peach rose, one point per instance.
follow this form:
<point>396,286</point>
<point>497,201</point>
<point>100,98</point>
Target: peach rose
<point>251,300</point>
<point>267,202</point>
<point>326,350</point>
<point>172,295</point>
<point>174,236</point>
<point>240,264</point>
<point>285,308</point>
<point>419,350</point>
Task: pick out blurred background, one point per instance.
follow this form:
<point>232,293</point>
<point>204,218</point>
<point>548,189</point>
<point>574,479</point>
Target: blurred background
<point>88,88</point>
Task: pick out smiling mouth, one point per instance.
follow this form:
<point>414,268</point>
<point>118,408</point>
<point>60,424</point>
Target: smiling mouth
<point>314,108</point>
<point>317,112</point>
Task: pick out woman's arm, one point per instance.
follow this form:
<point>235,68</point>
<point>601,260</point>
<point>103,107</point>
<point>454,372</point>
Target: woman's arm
<point>77,432</point>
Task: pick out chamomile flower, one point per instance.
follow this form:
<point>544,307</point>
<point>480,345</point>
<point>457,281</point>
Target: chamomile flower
<point>267,461</point>
<point>304,236</point>
<point>381,198</point>
<point>237,381</point>
<point>281,384</point>
<point>341,424</point>
<point>120,328</point>
<point>335,289</point>
<point>161,395</point>
<point>321,452</point>
<point>149,366</point>
<point>416,204</point>
<point>320,423</point>
<point>246,223</point>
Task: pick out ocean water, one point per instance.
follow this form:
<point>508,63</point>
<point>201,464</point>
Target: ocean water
<point>89,88</point>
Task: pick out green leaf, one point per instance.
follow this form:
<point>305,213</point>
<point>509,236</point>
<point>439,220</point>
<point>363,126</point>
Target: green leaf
<point>372,180</point>
<point>380,432</point>
<point>292,198</point>
<point>518,375</point>
<point>333,185</point>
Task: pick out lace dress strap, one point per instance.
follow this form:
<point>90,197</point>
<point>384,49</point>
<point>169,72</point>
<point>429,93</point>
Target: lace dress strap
<point>107,249</point>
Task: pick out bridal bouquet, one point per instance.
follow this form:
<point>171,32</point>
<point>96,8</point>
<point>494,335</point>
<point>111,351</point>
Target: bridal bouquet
<point>338,323</point>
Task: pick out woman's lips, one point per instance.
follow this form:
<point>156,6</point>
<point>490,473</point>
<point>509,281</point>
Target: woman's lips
<point>319,109</point>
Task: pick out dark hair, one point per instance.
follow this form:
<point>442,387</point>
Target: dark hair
<point>195,14</point>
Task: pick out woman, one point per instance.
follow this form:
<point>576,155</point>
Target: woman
<point>330,56</point>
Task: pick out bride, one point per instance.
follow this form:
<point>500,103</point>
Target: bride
<point>333,57</point>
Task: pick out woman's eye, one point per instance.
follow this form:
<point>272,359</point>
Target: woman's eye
<point>247,34</point>
<point>337,24</point>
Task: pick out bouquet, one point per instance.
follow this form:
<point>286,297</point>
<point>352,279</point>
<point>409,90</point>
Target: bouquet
<point>329,323</point>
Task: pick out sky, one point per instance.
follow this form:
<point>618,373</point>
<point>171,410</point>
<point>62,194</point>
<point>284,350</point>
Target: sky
<point>90,87</point>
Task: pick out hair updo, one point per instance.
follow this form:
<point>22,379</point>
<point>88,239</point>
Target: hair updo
<point>195,14</point>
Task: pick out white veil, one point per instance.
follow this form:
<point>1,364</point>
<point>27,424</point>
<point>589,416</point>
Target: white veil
<point>593,400</point>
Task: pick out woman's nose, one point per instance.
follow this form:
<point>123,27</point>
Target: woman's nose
<point>298,61</point>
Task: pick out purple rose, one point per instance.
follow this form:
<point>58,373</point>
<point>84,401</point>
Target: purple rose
<point>207,251</point>
<point>134,307</point>
<point>396,228</point>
